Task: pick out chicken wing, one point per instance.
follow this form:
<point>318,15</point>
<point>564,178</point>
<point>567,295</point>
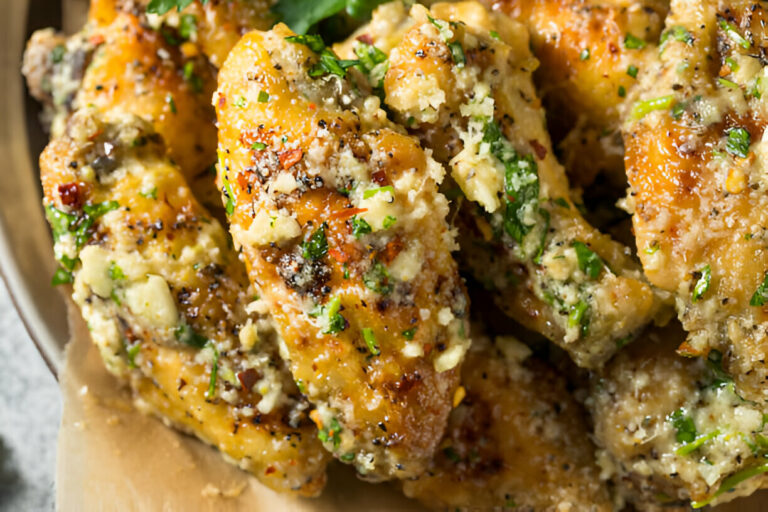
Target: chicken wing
<point>592,53</point>
<point>695,162</point>
<point>120,65</point>
<point>517,441</point>
<point>461,79</point>
<point>339,218</point>
<point>167,302</point>
<point>673,429</point>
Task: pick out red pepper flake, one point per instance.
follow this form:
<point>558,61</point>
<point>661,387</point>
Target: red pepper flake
<point>290,158</point>
<point>540,150</point>
<point>312,106</point>
<point>269,470</point>
<point>70,195</point>
<point>338,255</point>
<point>96,39</point>
<point>365,38</point>
<point>347,213</point>
<point>248,378</point>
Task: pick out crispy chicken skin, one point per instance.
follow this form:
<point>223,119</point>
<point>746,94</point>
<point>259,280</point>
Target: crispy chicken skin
<point>672,429</point>
<point>167,302</point>
<point>465,89</point>
<point>343,229</point>
<point>695,162</point>
<point>218,24</point>
<point>115,63</point>
<point>517,441</point>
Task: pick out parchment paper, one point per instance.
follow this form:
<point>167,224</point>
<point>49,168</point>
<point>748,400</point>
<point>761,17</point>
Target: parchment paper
<point>111,457</point>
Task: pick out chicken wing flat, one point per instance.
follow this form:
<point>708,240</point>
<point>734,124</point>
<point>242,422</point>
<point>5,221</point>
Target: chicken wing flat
<point>340,221</point>
<point>167,302</point>
<point>695,160</point>
<point>674,429</point>
<point>517,441</point>
<point>461,79</point>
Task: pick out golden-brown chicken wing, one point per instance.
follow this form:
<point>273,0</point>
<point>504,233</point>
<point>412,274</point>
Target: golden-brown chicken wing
<point>592,53</point>
<point>695,161</point>
<point>167,302</point>
<point>461,79</point>
<point>673,429</point>
<point>517,441</point>
<point>339,218</point>
<point>121,66</point>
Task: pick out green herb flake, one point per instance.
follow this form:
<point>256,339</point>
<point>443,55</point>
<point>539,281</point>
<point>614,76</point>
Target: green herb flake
<point>584,54</point>
<point>187,26</point>
<point>330,433</point>
<point>241,102</point>
<point>521,182</point>
<point>622,91</point>
<point>388,222</point>
<point>211,392</point>
<point>633,43</point>
<point>632,70</point>
<point>317,246</point>
<point>194,81</point>
<point>579,316</point>
<point>149,194</point>
<point>697,443</point>
<point>733,33</point>
<point>683,425</point>
<point>676,33</point>
<point>408,334</point>
<point>62,276</point>
<point>258,146</point>
<point>760,297</point>
<point>738,142</point>
<point>115,272</point>
<point>132,352</point>
<point>370,341</point>
<point>589,262</point>
<point>367,194</point>
<point>229,205</point>
<point>457,52</point>
<point>494,35</point>
<point>58,52</point>
<point>678,109</point>
<point>163,6</point>
<point>642,108</point>
<point>377,278</point>
<point>702,285</point>
<point>331,312</point>
<point>188,336</point>
<point>263,97</point>
<point>360,227</point>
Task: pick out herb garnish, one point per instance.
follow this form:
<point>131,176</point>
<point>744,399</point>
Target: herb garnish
<point>317,245</point>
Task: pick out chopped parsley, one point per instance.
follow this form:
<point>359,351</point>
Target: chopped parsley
<point>388,222</point>
<point>633,43</point>
<point>210,393</point>
<point>676,33</point>
<point>738,142</point>
<point>702,285</point>
<point>694,445</point>
<point>263,97</point>
<point>632,70</point>
<point>683,425</point>
<point>331,433</point>
<point>240,102</point>
<point>115,272</point>
<point>367,194</point>
<point>187,26</point>
<point>79,226</point>
<point>163,6</point>
<point>62,276</point>
<point>495,35</point>
<point>377,278</point>
<point>360,227</point>
<point>579,316</point>
<point>733,33</point>
<point>192,78</point>
<point>589,262</point>
<point>409,333</point>
<point>622,91</point>
<point>457,52</point>
<point>317,246</point>
<point>188,336</point>
<point>229,206</point>
<point>331,313</point>
<point>132,352</point>
<point>58,52</point>
<point>258,146</point>
<point>149,194</point>
<point>373,62</point>
<point>521,182</point>
<point>370,341</point>
<point>644,107</point>
<point>760,297</point>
